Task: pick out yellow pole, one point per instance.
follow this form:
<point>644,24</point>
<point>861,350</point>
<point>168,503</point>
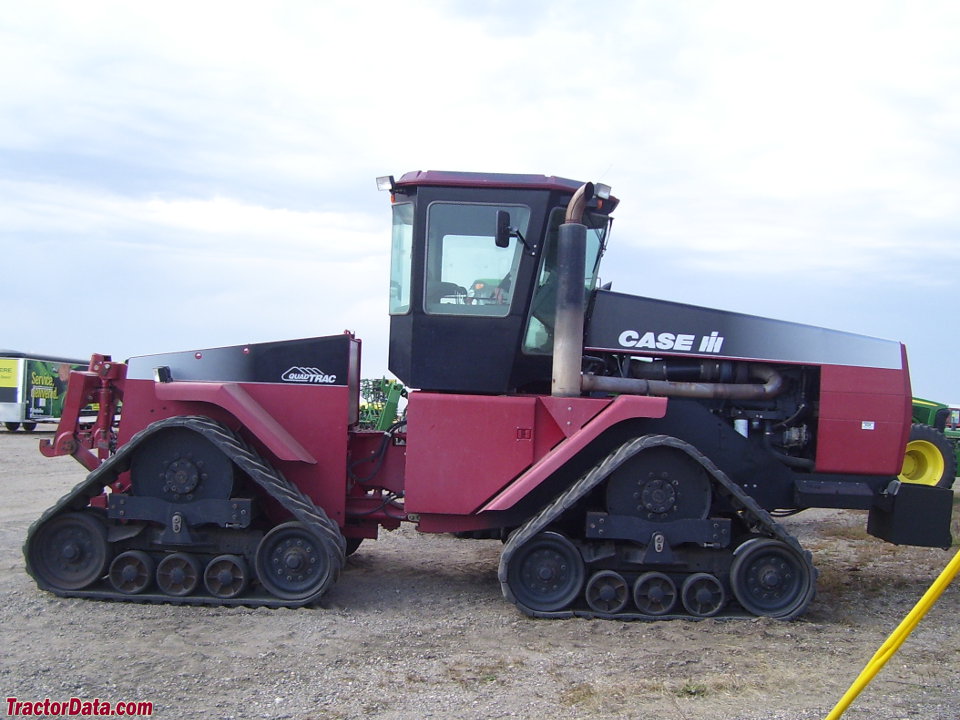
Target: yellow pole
<point>897,637</point>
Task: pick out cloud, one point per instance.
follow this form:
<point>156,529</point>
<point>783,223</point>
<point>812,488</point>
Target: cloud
<point>192,273</point>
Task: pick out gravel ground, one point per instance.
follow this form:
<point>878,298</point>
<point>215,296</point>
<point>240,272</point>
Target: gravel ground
<point>417,628</point>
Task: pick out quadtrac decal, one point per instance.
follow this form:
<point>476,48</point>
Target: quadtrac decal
<point>308,375</point>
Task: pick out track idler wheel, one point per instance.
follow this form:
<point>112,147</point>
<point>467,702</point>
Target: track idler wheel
<point>703,595</point>
<point>131,572</point>
<point>770,578</point>
<point>546,573</point>
<point>654,593</point>
<point>178,574</point>
<point>294,563</point>
<point>607,592</point>
<point>226,576</point>
<point>69,551</point>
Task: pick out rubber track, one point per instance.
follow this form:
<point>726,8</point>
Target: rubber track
<point>290,497</point>
<point>755,517</point>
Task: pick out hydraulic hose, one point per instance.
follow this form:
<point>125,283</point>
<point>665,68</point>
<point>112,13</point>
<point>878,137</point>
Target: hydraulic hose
<point>789,460</point>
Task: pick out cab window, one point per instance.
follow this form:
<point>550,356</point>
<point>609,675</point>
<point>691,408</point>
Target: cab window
<point>539,335</point>
<point>401,253</point>
<point>466,273</point>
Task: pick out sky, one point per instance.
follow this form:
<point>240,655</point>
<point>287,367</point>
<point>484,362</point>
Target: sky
<point>184,175</point>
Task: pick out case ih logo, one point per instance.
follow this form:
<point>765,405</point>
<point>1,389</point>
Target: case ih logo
<point>671,341</point>
<point>308,375</point>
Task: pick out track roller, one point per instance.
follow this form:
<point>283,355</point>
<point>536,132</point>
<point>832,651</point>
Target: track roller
<point>703,595</point>
<point>131,572</point>
<point>654,593</point>
<point>607,592</point>
<point>178,574</point>
<point>226,576</point>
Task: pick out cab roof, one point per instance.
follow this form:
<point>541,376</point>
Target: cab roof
<point>491,180</point>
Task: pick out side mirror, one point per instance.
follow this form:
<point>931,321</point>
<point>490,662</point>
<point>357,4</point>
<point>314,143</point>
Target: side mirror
<point>503,229</point>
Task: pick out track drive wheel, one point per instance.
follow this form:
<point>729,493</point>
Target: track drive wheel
<point>179,465</point>
<point>546,573</point>
<point>770,579</point>
<point>70,551</point>
<point>929,458</point>
<point>294,563</point>
<point>661,484</point>
<point>131,572</point>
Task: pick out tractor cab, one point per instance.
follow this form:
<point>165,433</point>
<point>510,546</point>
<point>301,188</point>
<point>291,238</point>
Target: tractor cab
<point>473,277</point>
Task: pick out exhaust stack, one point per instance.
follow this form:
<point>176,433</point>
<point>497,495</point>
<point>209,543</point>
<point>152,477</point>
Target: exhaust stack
<point>571,268</point>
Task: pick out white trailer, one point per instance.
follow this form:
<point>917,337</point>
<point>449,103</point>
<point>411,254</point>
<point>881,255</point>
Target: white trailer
<point>33,388</point>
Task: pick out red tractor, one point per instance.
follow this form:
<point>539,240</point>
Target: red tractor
<point>632,453</point>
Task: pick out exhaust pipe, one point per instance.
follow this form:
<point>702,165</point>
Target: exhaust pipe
<point>771,387</point>
<point>571,269</point>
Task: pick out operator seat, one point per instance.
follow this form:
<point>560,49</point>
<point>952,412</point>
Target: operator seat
<point>438,290</point>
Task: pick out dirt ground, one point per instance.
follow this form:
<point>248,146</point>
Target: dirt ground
<point>417,628</point>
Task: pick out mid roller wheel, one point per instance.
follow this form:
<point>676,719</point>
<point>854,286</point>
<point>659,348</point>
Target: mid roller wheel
<point>226,576</point>
<point>654,593</point>
<point>178,574</point>
<point>131,572</point>
<point>607,592</point>
<point>703,595</point>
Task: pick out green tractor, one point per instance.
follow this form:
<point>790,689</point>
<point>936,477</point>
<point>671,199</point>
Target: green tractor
<point>380,408</point>
<point>933,450</point>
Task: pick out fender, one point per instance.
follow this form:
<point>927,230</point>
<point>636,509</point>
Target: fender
<point>624,407</point>
<point>235,400</point>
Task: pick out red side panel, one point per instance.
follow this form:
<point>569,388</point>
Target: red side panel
<point>467,452</point>
<point>461,449</point>
<point>864,420</point>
